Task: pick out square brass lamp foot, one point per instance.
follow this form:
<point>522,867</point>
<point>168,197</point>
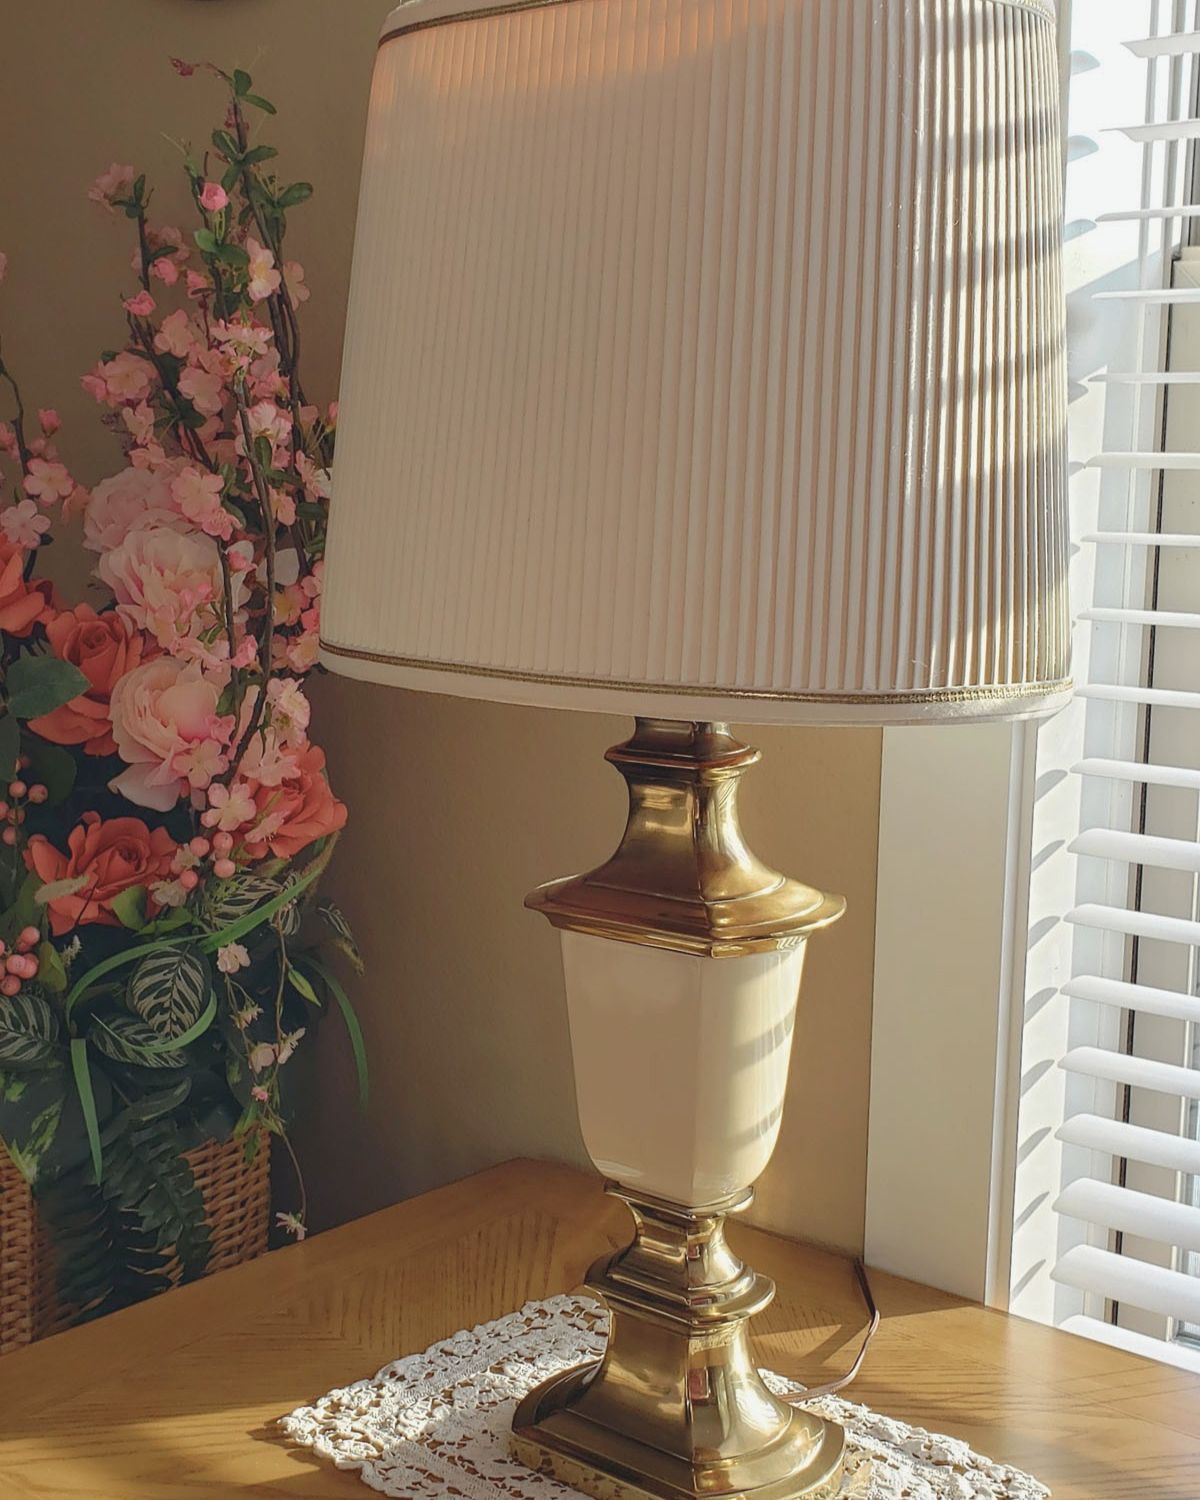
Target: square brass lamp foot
<point>676,1408</point>
<point>598,1462</point>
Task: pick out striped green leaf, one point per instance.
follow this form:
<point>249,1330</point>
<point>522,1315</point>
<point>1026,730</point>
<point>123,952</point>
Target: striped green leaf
<point>28,1030</point>
<point>169,990</point>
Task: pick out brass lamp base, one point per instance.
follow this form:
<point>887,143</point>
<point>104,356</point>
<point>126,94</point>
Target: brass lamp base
<point>676,1408</point>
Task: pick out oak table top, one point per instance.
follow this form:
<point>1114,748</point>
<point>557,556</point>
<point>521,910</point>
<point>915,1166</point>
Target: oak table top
<point>176,1398</point>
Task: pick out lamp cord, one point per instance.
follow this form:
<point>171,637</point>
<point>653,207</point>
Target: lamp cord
<point>816,1391</point>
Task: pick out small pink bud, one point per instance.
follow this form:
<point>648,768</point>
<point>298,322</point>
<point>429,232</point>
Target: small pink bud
<point>28,937</point>
<point>17,788</point>
<point>14,963</point>
<point>223,842</point>
<point>49,420</point>
<point>199,846</point>
<point>3,809</point>
<point>9,985</point>
<point>213,197</point>
<point>189,880</point>
<point>28,966</point>
<point>38,793</point>
<point>224,868</point>
<point>9,837</point>
<point>3,947</point>
<point>22,762</point>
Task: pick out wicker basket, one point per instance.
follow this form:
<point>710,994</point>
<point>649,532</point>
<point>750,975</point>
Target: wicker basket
<point>237,1196</point>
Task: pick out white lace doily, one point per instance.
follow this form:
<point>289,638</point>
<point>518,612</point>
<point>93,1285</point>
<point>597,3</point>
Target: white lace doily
<point>436,1424</point>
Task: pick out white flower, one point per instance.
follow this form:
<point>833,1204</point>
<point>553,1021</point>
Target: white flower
<point>262,1057</point>
<point>293,1223</point>
<point>231,957</point>
<point>288,1045</point>
<point>168,893</point>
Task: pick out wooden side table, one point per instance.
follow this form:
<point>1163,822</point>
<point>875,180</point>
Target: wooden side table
<point>176,1398</point>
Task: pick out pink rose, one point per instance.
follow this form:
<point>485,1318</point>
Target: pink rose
<point>168,732</point>
<point>103,648</point>
<point>213,197</point>
<point>294,815</point>
<point>165,582</point>
<point>134,497</point>
<point>22,605</point>
<point>111,856</point>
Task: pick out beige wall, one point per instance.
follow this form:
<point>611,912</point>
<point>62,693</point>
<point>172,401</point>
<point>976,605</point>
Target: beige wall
<point>457,808</point>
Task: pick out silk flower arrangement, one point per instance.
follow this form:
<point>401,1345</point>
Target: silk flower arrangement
<point>164,815</point>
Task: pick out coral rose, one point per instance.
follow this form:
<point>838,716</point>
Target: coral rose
<point>132,498</point>
<point>111,856</point>
<point>168,731</point>
<point>22,605</point>
<point>104,648</point>
<point>293,815</point>
<point>166,582</point>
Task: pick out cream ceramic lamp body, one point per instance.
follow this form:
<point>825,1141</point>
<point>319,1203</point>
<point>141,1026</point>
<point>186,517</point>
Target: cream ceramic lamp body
<point>704,362</point>
<point>696,1114</point>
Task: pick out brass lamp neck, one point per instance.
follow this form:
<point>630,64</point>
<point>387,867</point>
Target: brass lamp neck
<point>683,877</point>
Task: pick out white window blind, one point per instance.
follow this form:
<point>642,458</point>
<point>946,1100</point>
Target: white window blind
<point>1107,1208</point>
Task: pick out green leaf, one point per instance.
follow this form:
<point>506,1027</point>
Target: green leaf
<point>39,684</point>
<point>241,82</point>
<point>24,910</point>
<point>87,1102</point>
<point>36,1142</point>
<point>129,907</point>
<point>127,1040</point>
<point>53,766</point>
<point>230,175</point>
<point>107,965</point>
<point>169,991</point>
<point>10,746</point>
<point>233,255</point>
<point>225,143</point>
<point>353,1029</point>
<point>206,240</point>
<point>261,914</point>
<point>259,103</point>
<point>51,972</point>
<point>297,980</point>
<point>28,1030</point>
<point>160,1102</point>
<point>257,154</point>
<point>227,900</point>
<point>298,192</point>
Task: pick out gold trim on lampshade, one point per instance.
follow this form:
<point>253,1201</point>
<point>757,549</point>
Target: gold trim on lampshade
<point>708,353</point>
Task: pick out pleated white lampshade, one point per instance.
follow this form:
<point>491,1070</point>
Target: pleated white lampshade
<point>705,360</point>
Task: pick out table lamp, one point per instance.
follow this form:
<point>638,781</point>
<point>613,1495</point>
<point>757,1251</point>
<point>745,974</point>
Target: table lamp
<point>704,362</point>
